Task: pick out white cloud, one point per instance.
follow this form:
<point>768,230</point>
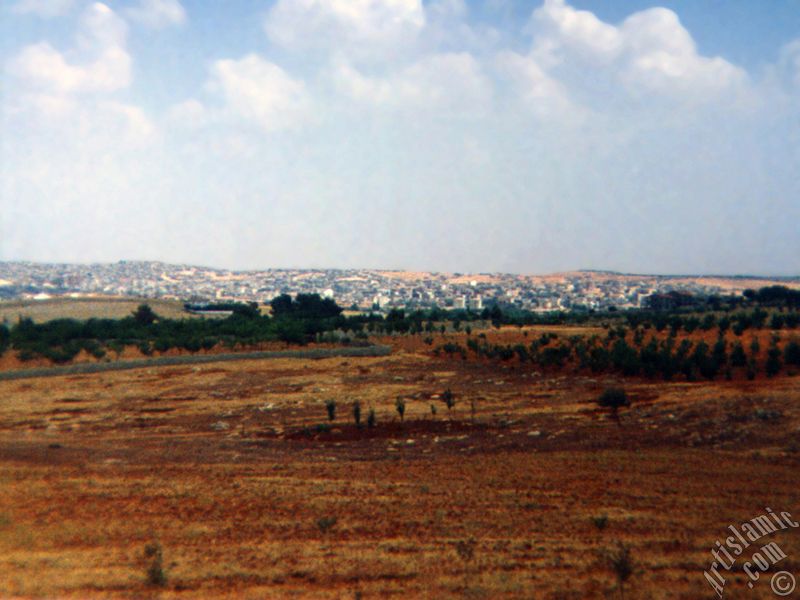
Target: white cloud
<point>452,82</point>
<point>158,13</point>
<point>73,93</point>
<point>599,132</point>
<point>358,26</point>
<point>190,113</point>
<point>41,66</point>
<point>543,94</point>
<point>558,29</point>
<point>42,8</point>
<point>52,106</point>
<point>650,52</point>
<point>260,91</point>
<point>126,121</point>
<point>101,26</point>
<point>448,9</point>
<point>662,57</point>
<point>789,63</point>
<point>100,62</point>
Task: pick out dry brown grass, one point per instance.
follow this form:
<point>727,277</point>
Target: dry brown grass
<point>216,464</point>
<point>85,308</point>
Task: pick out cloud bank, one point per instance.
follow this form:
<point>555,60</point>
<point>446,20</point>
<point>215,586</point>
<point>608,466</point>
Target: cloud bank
<point>394,133</point>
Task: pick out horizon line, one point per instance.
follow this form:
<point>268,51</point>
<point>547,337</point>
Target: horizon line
<point>422,271</point>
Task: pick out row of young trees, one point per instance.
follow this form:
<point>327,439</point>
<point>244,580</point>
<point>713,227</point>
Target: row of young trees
<point>307,317</point>
<point>666,358</point>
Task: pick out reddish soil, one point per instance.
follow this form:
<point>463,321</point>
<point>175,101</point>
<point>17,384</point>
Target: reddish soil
<point>234,470</point>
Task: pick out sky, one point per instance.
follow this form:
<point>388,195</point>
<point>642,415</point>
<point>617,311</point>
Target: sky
<point>437,135</point>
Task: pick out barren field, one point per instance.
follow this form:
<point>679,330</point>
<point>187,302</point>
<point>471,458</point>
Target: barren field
<point>85,308</point>
<point>520,491</point>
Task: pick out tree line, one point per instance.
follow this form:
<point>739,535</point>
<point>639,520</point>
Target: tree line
<point>296,320</point>
<point>308,317</point>
<point>665,358</point>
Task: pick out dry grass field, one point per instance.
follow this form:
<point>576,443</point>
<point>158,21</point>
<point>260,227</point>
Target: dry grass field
<point>521,491</point>
<point>85,308</point>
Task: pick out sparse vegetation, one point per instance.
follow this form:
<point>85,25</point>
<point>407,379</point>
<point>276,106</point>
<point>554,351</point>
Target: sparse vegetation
<point>415,495</point>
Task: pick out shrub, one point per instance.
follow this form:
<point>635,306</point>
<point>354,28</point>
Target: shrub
<point>466,549</point>
<point>330,406</point>
<point>325,524</point>
<point>621,563</point>
<point>155,569</point>
<point>400,405</point>
<point>600,521</point>
<point>613,399</point>
<point>449,399</point>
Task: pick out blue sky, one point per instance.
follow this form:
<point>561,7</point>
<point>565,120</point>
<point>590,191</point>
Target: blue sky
<point>448,135</point>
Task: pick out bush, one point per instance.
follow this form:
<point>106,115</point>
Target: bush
<point>400,405</point>
<point>613,399</point>
<point>326,523</point>
<point>466,549</point>
<point>155,569</point>
<point>621,563</point>
<point>330,406</point>
<point>449,399</point>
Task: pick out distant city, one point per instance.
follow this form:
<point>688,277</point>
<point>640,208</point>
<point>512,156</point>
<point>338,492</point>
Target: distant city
<point>361,289</point>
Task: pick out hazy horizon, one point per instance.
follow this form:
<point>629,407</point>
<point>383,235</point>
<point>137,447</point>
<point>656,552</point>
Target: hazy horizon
<point>439,136</point>
<point>402,270</point>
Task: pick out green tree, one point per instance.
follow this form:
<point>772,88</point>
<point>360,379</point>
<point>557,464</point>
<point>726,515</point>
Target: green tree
<point>738,357</point>
<point>144,315</point>
<point>773,365</point>
<point>791,354</point>
<point>613,398</point>
<point>5,338</point>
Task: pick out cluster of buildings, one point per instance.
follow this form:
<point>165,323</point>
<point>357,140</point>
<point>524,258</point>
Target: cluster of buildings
<point>357,289</point>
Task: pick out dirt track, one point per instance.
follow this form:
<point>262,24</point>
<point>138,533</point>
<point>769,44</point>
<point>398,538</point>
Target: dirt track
<point>171,361</point>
